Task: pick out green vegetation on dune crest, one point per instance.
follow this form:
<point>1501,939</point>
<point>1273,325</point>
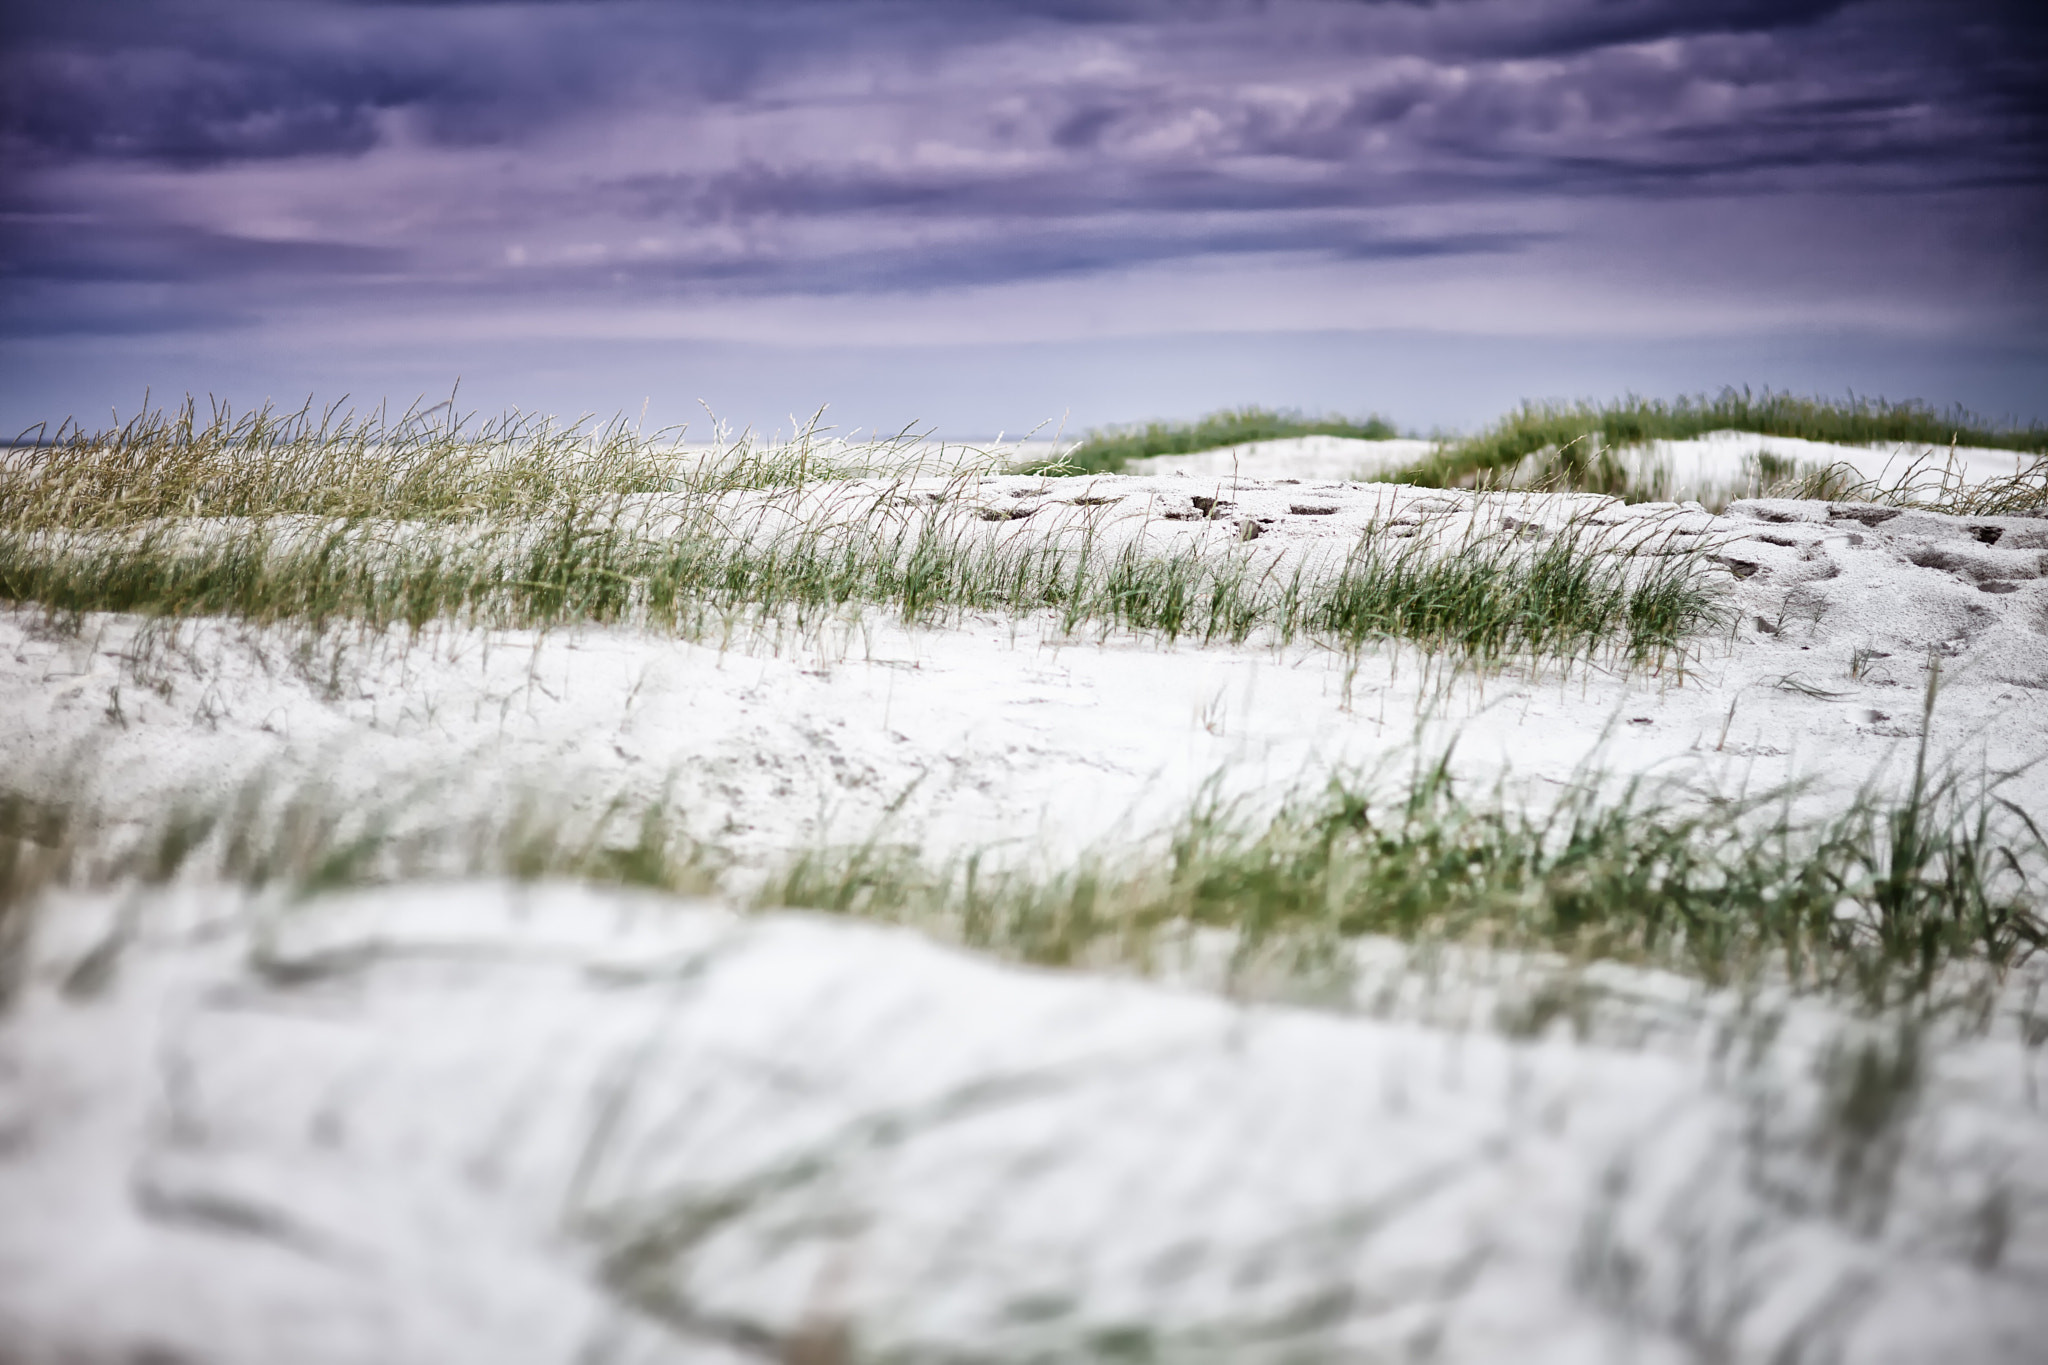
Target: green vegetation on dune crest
<point>1582,434</point>
<point>1106,451</point>
<point>1580,446</point>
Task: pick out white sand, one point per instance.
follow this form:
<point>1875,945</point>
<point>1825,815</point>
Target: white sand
<point>1299,457</point>
<point>479,1122</point>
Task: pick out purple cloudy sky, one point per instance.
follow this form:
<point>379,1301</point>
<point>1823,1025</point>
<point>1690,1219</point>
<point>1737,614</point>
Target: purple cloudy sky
<point>989,213</point>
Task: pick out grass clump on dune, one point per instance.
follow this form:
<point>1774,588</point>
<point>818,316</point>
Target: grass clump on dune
<point>1105,451</point>
<point>1582,437</point>
<point>1931,486</point>
<point>1878,899</point>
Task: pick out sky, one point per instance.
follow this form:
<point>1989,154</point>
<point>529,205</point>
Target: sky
<point>1005,215</point>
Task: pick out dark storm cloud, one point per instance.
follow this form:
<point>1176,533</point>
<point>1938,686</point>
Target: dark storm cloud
<point>81,248</point>
<point>1550,28</point>
<point>814,146</point>
<point>193,84</point>
<point>1040,253</point>
<point>821,192</point>
<point>199,81</point>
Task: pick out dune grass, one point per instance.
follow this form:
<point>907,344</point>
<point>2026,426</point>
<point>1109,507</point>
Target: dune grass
<point>327,518</point>
<point>1583,436</point>
<point>433,464</point>
<point>1583,447</point>
<point>1875,900</point>
<point>306,841</point>
<point>420,465</point>
<point>696,574</point>
<point>1106,450</point>
<point>1930,485</point>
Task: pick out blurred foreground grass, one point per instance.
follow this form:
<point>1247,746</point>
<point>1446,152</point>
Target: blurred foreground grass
<point>1880,899</point>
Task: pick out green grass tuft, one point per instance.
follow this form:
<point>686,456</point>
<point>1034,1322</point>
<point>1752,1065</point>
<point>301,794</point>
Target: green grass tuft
<point>1876,901</point>
<point>1106,450</point>
<point>1584,434</point>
